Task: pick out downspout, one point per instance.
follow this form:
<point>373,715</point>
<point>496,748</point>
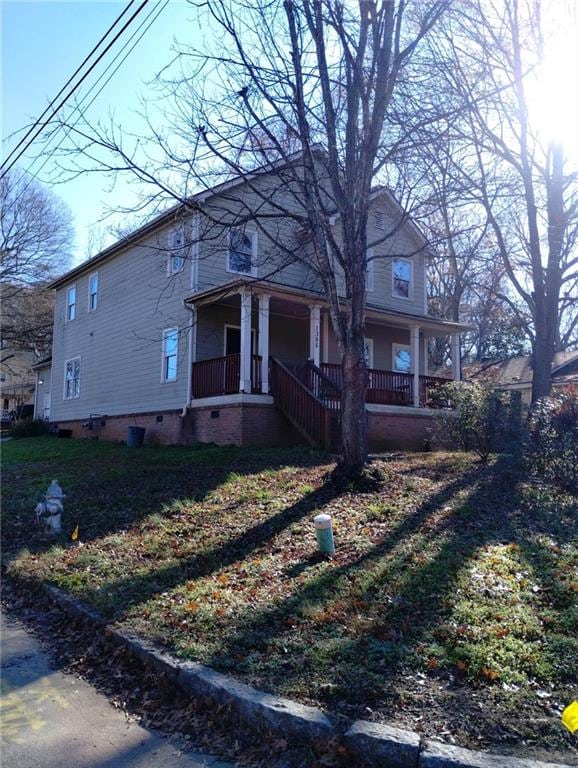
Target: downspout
<point>191,356</point>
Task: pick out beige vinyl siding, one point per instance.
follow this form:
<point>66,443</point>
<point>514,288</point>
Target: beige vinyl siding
<point>402,244</point>
<point>384,337</point>
<point>288,337</point>
<point>273,263</point>
<point>120,343</point>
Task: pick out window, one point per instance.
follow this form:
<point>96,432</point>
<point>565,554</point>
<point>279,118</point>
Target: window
<point>170,349</point>
<point>402,278</point>
<point>72,378</point>
<point>176,261</point>
<point>242,251</point>
<point>401,358</point>
<point>379,220</point>
<point>369,270</point>
<point>71,303</point>
<point>93,292</point>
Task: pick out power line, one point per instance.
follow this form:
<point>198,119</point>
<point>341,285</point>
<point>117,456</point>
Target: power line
<point>73,89</point>
<point>68,129</point>
<point>70,79</point>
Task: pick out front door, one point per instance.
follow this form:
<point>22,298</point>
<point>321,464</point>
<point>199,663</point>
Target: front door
<point>233,340</point>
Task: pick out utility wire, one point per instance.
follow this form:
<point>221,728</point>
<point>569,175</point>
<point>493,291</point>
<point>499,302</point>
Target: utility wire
<point>5,168</point>
<point>70,79</point>
<point>154,12</point>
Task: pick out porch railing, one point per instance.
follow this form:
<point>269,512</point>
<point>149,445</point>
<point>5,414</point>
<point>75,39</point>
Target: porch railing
<point>221,376</point>
<point>389,387</point>
<point>315,419</point>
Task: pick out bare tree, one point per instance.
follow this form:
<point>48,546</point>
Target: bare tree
<point>308,91</point>
<point>35,233</point>
<point>487,56</point>
<point>35,245</point>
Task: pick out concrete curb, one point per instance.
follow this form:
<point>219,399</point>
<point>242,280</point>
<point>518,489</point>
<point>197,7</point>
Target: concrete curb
<point>371,745</point>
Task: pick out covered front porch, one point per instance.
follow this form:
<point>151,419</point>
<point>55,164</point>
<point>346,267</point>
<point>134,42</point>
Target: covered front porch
<point>239,330</point>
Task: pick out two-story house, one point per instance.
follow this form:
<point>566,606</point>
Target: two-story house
<point>201,329</point>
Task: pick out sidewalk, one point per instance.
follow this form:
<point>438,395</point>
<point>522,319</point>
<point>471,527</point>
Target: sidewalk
<point>54,720</point>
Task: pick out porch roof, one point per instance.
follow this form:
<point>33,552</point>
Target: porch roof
<point>373,313</point>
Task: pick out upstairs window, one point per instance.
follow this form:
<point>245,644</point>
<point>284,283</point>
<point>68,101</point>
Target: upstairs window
<point>71,303</point>
<point>401,358</point>
<point>170,351</point>
<point>242,252</point>
<point>369,270</point>
<point>176,260</point>
<point>402,273</point>
<point>93,292</point>
<point>72,378</point>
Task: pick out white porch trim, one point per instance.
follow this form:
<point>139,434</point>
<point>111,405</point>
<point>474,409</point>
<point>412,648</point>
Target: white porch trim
<point>240,398</point>
<point>246,311</point>
<point>263,342</point>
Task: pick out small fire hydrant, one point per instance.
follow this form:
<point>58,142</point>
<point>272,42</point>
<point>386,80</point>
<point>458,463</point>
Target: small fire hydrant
<point>49,512</point>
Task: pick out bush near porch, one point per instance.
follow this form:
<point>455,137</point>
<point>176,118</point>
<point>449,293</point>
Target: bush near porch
<point>450,606</point>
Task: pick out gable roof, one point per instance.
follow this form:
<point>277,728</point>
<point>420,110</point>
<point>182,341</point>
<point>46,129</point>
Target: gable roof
<point>517,370</point>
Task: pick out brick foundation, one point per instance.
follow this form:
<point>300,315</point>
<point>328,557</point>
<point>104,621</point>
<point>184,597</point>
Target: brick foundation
<point>245,425</point>
<point>168,431</point>
<point>237,424</point>
<point>393,431</point>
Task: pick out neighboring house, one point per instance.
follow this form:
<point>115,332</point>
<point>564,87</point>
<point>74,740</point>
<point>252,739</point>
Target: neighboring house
<point>16,383</point>
<point>516,373</point>
<point>43,371</point>
<point>201,330</point>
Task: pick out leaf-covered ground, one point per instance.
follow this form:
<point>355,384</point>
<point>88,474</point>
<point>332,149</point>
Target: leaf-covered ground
<point>450,606</point>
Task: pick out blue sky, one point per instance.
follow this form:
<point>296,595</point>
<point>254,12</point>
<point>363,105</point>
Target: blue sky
<point>42,43</point>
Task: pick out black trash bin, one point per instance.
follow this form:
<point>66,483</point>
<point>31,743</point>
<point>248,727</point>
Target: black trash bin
<point>135,437</point>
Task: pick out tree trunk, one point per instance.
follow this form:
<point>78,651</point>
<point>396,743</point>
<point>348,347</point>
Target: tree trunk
<point>353,416</point>
<point>543,353</point>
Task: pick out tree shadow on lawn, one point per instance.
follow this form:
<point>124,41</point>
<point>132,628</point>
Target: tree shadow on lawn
<point>123,595</point>
<point>390,602</point>
<point>120,487</point>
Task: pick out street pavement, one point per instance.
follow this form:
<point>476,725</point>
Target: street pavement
<point>49,719</point>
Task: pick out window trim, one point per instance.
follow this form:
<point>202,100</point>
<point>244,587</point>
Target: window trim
<point>72,360</point>
<point>170,271</point>
<point>370,272</point>
<point>93,309</point>
<point>164,379</point>
<point>395,348</point>
<point>254,251</point>
<point>394,295</point>
<point>70,288</point>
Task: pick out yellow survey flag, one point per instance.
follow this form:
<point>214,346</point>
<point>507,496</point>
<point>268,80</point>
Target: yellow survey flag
<point>570,716</point>
<point>75,534</point>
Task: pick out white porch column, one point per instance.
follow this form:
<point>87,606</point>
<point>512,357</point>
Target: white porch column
<point>415,363</point>
<point>425,356</point>
<point>264,341</point>
<point>456,357</point>
<point>314,333</point>
<point>245,367</point>
<point>326,337</point>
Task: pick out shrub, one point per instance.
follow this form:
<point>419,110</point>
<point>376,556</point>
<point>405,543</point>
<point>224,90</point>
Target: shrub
<point>551,445</point>
<point>475,417</point>
<point>30,428</point>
